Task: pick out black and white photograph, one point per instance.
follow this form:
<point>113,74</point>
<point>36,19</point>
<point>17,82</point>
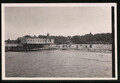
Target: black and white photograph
<point>55,41</point>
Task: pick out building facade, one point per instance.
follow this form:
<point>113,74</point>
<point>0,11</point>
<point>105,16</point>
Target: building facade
<point>37,40</point>
<point>30,43</point>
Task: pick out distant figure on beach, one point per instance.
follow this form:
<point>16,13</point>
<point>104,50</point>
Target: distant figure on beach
<point>90,45</point>
<point>63,46</point>
<point>76,46</point>
<point>70,45</point>
<point>86,46</point>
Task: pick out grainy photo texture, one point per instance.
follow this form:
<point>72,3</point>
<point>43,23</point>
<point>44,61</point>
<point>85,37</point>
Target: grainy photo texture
<point>59,41</point>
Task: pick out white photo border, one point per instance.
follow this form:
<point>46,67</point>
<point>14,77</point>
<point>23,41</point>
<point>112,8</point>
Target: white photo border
<point>55,5</point>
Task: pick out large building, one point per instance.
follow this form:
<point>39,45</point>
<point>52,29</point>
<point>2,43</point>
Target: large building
<point>36,40</point>
<point>28,42</point>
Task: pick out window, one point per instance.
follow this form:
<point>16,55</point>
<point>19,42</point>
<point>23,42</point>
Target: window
<point>45,40</point>
<point>50,40</point>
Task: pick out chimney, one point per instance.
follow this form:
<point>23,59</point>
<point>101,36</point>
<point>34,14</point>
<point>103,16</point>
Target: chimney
<point>48,35</point>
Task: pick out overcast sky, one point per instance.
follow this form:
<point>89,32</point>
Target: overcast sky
<point>20,21</point>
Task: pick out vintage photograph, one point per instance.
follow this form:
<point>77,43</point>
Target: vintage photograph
<point>58,40</point>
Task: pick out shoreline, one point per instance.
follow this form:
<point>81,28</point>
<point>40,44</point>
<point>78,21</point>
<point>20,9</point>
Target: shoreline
<point>102,48</point>
<point>67,49</point>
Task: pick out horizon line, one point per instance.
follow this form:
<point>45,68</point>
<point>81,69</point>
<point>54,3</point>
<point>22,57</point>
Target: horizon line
<point>60,35</point>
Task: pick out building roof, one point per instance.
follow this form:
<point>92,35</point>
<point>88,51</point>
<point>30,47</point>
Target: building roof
<point>38,38</point>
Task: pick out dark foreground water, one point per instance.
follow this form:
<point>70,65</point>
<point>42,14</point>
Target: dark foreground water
<point>58,63</point>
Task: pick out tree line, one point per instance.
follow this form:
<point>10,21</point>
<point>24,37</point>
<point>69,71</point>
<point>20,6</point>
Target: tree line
<point>103,38</point>
<point>99,38</point>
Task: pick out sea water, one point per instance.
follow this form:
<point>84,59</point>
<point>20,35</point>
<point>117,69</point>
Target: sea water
<point>58,63</point>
